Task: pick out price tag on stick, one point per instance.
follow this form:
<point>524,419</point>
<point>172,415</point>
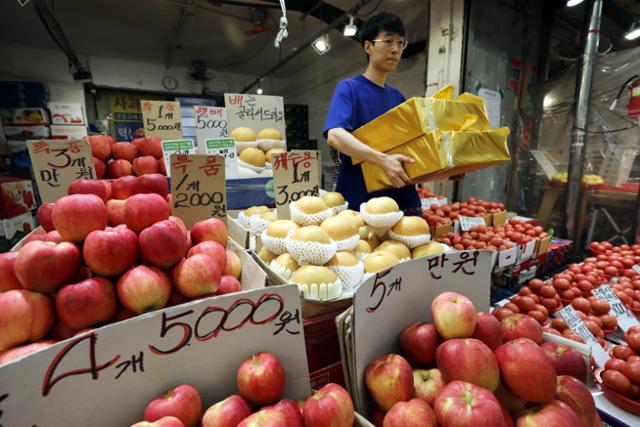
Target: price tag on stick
<point>469,222</point>
<point>224,147</point>
<point>625,318</point>
<point>198,190</point>
<point>57,162</point>
<point>578,327</point>
<point>295,175</point>
<point>162,118</point>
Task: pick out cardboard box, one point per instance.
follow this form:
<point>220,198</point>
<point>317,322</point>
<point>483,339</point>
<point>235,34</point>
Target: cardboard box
<point>16,196</point>
<point>440,230</point>
<point>527,251</point>
<point>543,245</point>
<point>499,218</point>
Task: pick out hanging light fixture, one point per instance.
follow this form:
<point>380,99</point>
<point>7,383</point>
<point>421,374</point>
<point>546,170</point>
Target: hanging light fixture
<point>634,31</point>
<point>571,3</point>
<point>322,45</point>
<point>350,29</point>
<point>259,91</point>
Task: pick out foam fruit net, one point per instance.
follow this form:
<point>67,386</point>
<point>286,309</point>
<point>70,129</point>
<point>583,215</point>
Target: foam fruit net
<point>313,253</point>
<point>304,219</point>
<point>410,241</point>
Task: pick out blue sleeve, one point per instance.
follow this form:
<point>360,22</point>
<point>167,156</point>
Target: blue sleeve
<point>340,114</point>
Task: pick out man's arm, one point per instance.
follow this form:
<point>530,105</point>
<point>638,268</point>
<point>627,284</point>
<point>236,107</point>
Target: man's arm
<point>346,143</point>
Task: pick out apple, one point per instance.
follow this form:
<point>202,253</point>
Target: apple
<point>488,330</point>
<point>261,378</point>
<point>577,396</point>
<point>329,406</point>
<point>508,420</point>
<point>124,150</point>
<point>115,209</point>
<point>526,370</point>
<point>214,249</point>
<point>565,360</point>
<point>153,183</point>
<point>389,379</point>
<point>144,210</point>
<point>152,146</point>
<point>122,314</point>
<point>419,342</point>
<point>163,244</point>
<point>454,315</point>
<point>25,316</point>
<point>377,417</point>
<point>196,276</point>
<point>143,288</point>
<point>8,279</point>
<point>414,413</point>
<point>228,285</point>
<point>45,216</point>
<point>182,402</point>
<point>267,417</point>
<point>45,266</point>
<point>23,350</point>
<point>100,167</point>
<point>176,298</point>
<point>162,422</point>
<point>101,189</point>
<point>427,384</point>
<point>53,236</point>
<point>291,411</point>
<point>521,326</point>
<point>233,267</point>
<point>100,146</point>
<point>209,229</point>
<point>508,400</point>
<point>124,187</point>
<point>90,302</point>
<point>227,413</point>
<point>145,164</point>
<point>554,413</point>
<point>111,251</point>
<point>468,360</point>
<point>119,168</point>
<point>463,404</point>
<point>61,331</point>
<point>77,215</point>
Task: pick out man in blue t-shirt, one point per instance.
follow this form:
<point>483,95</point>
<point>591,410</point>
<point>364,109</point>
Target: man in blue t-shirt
<point>360,99</point>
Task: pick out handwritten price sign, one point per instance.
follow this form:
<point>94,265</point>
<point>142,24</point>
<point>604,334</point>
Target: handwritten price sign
<point>56,163</point>
<point>198,187</point>
<point>162,118</point>
<point>80,381</point>
<point>211,123</point>
<point>295,175</point>
<point>255,111</point>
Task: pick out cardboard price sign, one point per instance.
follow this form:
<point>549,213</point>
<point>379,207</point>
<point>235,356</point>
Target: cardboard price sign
<point>295,175</point>
<point>224,147</point>
<point>255,111</point>
<point>625,318</point>
<point>81,380</point>
<point>390,301</point>
<point>211,122</point>
<point>57,162</point>
<point>198,188</point>
<point>578,327</point>
<point>469,222</point>
<point>176,146</point>
<point>162,118</point>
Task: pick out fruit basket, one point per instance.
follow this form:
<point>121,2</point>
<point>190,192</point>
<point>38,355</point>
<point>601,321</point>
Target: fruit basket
<point>617,399</point>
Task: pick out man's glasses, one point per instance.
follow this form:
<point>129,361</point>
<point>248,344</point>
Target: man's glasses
<point>388,43</point>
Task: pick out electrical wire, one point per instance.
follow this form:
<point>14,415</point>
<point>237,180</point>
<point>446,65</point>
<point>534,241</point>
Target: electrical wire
<point>603,131</point>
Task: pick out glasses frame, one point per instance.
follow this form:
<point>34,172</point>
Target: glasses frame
<point>387,43</point>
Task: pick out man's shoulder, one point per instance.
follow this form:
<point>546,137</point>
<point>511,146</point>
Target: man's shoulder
<point>349,82</point>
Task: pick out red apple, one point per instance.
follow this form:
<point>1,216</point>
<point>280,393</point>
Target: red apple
<point>25,316</point>
<point>88,303</point>
<point>427,384</point>
<point>153,183</point>
<point>488,330</point>
<point>508,400</point>
<point>267,417</point>
<point>377,417</point>
<point>330,406</point>
<point>196,276</point>
<point>53,236</point>
<point>261,378</point>
<point>145,165</point>
<point>508,420</point>
<point>162,422</point>
<point>521,326</point>
<point>463,404</point>
<point>228,285</point>
<point>163,244</point>
<point>163,167</point>
<point>23,350</point>
<point>454,315</point>
<point>143,288</point>
<point>233,267</point>
<point>77,215</point>
<point>554,413</point>
<point>518,360</point>
<point>143,210</point>
<point>124,187</point>
<point>61,331</point>
<point>115,208</point>
<point>414,413</point>
<point>389,380</point>
<point>45,266</point>
<point>122,314</point>
<point>8,279</point>
<point>577,396</point>
<point>182,402</point>
<point>111,251</point>
<point>119,168</point>
<point>101,189</point>
<point>209,229</point>
<point>227,413</point>
<point>152,146</point>
<point>419,342</point>
<point>45,216</point>
<point>100,167</point>
<point>566,361</point>
<point>124,150</point>
<point>291,411</point>
<point>100,146</point>
<point>468,360</point>
<point>214,249</point>
<point>180,224</point>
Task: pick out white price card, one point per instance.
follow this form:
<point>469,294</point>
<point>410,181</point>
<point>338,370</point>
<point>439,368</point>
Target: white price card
<point>469,222</point>
<point>427,202</point>
<point>224,147</point>
<point>211,122</point>
<point>625,318</point>
<point>636,268</point>
<point>578,327</point>
<point>176,146</point>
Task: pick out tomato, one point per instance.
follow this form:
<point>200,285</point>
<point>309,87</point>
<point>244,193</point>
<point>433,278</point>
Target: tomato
<point>550,303</point>
<point>511,306</point>
<point>609,321</point>
<point>526,304</point>
<point>633,330</point>
<point>581,315</point>
<point>600,307</point>
<point>536,298</point>
<point>578,293</point>
<point>501,313</point>
<point>615,364</point>
<point>535,285</point>
<point>547,291</point>
<point>596,320</point>
<point>585,286</point>
<point>611,271</point>
<point>551,331</point>
<point>538,315</point>
<point>568,295</point>
<point>622,352</point>
<point>616,381</point>
<point>634,341</point>
<point>570,335</point>
<point>632,371</point>
<point>581,304</point>
<point>559,324</point>
<point>594,328</point>
<point>541,308</point>
<point>524,291</point>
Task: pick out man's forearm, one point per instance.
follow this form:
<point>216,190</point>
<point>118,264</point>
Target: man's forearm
<point>346,143</point>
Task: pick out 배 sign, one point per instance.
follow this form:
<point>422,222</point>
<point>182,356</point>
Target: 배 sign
<point>211,122</point>
<point>57,162</point>
<point>176,146</point>
<point>162,118</point>
<point>295,175</point>
<point>198,189</point>
<point>255,111</point>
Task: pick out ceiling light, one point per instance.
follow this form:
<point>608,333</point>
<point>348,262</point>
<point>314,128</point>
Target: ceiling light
<point>548,101</point>
<point>634,31</point>
<point>259,91</point>
<point>322,44</point>
<point>350,29</point>
<point>571,3</point>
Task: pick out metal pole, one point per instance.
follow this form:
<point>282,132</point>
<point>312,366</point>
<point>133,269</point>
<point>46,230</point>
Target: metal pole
<point>581,114</point>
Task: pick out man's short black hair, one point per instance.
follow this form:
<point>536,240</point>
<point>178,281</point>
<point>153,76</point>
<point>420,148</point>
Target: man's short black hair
<point>383,21</point>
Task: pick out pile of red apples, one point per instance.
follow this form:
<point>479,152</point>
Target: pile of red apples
<point>116,159</point>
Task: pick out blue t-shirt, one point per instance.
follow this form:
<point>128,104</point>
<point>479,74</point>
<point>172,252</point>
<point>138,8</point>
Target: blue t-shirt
<point>356,101</point>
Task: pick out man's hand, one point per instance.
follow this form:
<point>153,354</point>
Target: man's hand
<point>393,167</point>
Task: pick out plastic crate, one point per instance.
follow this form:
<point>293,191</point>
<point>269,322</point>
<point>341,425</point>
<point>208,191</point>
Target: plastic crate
<point>321,341</point>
